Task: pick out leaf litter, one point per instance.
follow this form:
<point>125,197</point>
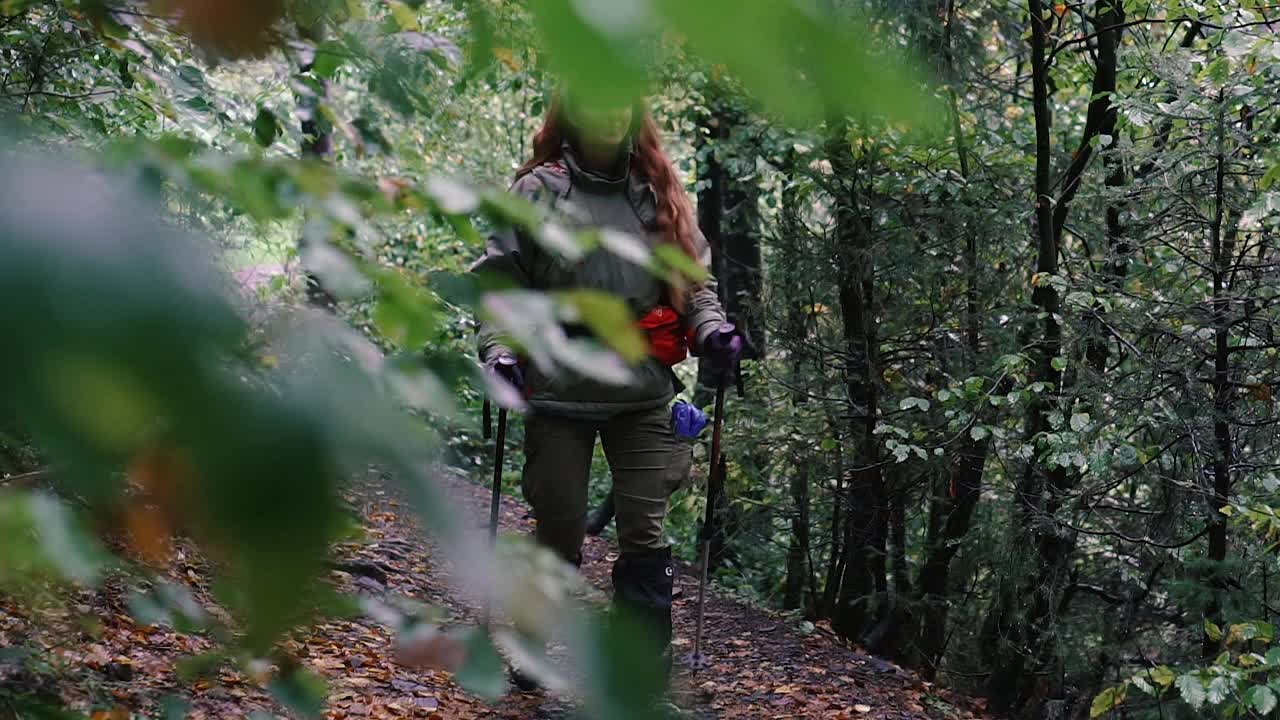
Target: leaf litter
<point>103,662</point>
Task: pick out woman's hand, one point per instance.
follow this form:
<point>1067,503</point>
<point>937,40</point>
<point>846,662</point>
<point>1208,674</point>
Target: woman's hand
<point>505,366</point>
<point>724,347</point>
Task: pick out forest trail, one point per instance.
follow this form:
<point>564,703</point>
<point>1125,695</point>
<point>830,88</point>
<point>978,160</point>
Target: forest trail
<point>762,666</point>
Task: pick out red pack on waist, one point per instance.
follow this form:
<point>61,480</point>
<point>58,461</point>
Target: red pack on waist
<point>669,339</point>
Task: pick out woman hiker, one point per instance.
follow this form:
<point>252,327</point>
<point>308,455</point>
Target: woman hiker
<point>608,164</point>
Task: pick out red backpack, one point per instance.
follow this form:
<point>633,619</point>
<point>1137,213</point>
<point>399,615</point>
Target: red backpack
<point>669,339</point>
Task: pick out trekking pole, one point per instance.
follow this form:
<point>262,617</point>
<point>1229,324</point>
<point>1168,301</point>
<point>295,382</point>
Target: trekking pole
<point>499,444</point>
<point>495,502</point>
<point>696,659</point>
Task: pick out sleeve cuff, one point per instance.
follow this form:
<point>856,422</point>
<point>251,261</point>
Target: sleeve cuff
<point>704,331</point>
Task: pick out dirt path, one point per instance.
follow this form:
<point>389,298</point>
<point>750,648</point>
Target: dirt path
<point>101,660</point>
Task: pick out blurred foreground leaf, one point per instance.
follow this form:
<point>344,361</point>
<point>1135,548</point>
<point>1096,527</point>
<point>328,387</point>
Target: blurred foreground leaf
<point>801,63</point>
<point>131,345</point>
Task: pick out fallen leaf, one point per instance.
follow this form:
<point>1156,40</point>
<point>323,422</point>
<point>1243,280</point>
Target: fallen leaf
<point>428,647</point>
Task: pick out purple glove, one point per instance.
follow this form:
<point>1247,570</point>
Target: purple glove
<point>687,420</point>
<point>724,347</point>
<point>506,367</point>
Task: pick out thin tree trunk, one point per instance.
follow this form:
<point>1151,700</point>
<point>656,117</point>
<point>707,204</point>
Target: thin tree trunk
<point>1017,631</point>
<point>798,550</point>
<point>711,193</point>
<point>1221,257</point>
<point>835,567</point>
<point>1014,627</point>
<point>955,495</point>
<point>731,211</point>
<point>863,575</point>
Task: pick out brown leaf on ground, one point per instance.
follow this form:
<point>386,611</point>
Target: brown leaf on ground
<point>761,667</point>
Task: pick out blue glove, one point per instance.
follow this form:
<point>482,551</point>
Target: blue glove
<point>724,347</point>
<point>506,367</point>
<point>687,420</point>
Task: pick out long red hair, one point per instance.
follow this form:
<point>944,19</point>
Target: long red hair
<point>675,215</point>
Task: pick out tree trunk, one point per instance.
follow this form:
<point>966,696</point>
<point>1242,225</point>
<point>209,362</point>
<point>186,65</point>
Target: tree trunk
<point>863,575</point>
<point>1017,632</point>
<point>952,512</point>
<point>835,558</point>
<point>1221,258</point>
<point>729,207</point>
<point>798,550</point>
<point>956,495</point>
<point>711,181</point>
<point>1014,628</point>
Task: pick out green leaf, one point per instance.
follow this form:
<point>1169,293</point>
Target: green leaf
<point>1270,178</point>
<point>266,127</point>
<point>329,57</point>
<point>845,66</point>
<point>1219,690</point>
<point>626,246</point>
<point>173,707</point>
<point>1218,71</point>
<point>1243,632</point>
<point>482,671</point>
<point>1192,690</point>
<point>609,319</point>
<point>979,432</point>
<point>199,103</point>
<point>674,260</point>
<point>1262,699</point>
<point>1211,630</point>
<point>190,669</point>
<point>404,314</point>
<point>457,288</point>
<point>406,17</point>
<point>602,66</point>
<point>301,691</point>
<point>621,684</point>
<point>1108,700</point>
<point>192,76</point>
<point>372,137</point>
<point>1162,675</point>
<point>452,196</point>
<point>1141,683</point>
<point>1079,421</point>
<point>67,546</point>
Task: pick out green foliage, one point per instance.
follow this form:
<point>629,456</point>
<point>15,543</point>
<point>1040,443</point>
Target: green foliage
<point>906,344</point>
<point>337,138</point>
<point>1242,681</point>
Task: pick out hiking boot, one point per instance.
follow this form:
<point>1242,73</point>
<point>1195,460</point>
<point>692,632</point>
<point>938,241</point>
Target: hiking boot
<point>642,586</point>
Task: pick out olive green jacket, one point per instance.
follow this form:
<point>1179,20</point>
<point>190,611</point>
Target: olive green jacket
<point>624,203</point>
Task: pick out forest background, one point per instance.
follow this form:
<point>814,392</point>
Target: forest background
<point>1007,266</point>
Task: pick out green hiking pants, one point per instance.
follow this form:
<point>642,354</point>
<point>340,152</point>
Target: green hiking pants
<point>647,460</point>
